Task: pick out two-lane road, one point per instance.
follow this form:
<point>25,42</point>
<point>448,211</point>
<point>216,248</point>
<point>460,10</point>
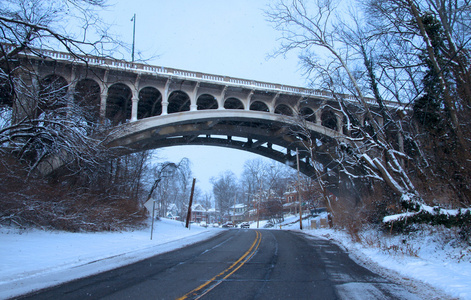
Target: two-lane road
<point>238,264</point>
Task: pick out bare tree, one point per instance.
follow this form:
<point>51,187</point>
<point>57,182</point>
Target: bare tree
<point>42,125</point>
<point>328,54</point>
<point>224,191</point>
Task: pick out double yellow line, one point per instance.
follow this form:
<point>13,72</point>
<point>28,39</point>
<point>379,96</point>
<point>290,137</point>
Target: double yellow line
<point>219,278</point>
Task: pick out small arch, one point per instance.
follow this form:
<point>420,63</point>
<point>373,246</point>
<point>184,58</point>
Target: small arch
<point>206,101</point>
<point>150,103</point>
<point>284,109</point>
<point>259,106</point>
<point>178,101</point>
<point>308,114</point>
<point>6,95</point>
<point>52,92</point>
<point>329,119</point>
<point>87,95</point>
<point>119,103</point>
<point>233,103</point>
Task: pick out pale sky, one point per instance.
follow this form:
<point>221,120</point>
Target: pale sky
<point>222,37</point>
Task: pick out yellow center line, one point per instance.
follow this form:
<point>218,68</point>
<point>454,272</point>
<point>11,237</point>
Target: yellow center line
<point>247,255</point>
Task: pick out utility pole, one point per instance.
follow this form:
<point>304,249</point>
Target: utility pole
<point>188,216</point>
<point>299,195</point>
<point>133,36</point>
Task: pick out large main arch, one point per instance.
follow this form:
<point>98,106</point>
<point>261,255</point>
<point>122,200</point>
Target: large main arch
<point>257,132</point>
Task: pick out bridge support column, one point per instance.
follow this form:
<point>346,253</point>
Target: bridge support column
<point>318,114</point>
<point>135,103</point>
<point>339,123</point>
<point>103,97</point>
<point>165,97</point>
<point>164,108</point>
<point>193,99</point>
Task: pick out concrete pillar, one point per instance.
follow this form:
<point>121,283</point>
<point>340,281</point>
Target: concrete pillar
<point>193,105</point>
<point>135,103</point>
<point>339,123</point>
<point>165,98</point>
<point>103,98</point>
<point>271,107</point>
<point>318,114</point>
<point>249,100</point>
<point>221,97</point>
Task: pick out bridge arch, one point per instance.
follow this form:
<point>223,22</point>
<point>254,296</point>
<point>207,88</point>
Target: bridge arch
<point>259,106</point>
<point>258,132</point>
<point>119,103</point>
<point>308,114</point>
<point>178,101</point>
<point>283,109</point>
<point>233,103</point>
<point>206,101</point>
<point>53,89</point>
<point>88,95</point>
<point>150,103</point>
<point>6,96</point>
<point>329,119</point>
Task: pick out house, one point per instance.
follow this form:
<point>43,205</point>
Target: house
<point>198,214</point>
<point>172,212</point>
<point>213,216</point>
<point>237,213</point>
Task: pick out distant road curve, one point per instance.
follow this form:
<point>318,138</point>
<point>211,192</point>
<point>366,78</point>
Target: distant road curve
<point>238,264</point>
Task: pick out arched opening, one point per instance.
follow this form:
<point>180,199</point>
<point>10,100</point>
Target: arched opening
<point>150,103</point>
<point>87,96</point>
<point>284,109</point>
<point>233,103</point>
<point>52,92</point>
<point>6,95</point>
<point>178,101</point>
<point>259,106</point>
<point>206,101</point>
<point>329,119</point>
<point>118,103</point>
<point>6,103</point>
<point>308,114</point>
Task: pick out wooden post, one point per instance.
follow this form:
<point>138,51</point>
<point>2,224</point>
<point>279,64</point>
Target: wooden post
<point>188,216</point>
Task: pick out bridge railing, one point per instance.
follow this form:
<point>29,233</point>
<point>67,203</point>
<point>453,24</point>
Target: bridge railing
<point>129,66</point>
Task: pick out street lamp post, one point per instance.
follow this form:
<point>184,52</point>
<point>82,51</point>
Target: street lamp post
<point>133,36</point>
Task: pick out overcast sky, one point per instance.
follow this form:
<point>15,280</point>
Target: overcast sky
<point>222,37</point>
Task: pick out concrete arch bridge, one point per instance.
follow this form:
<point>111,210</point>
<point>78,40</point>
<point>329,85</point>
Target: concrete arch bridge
<point>152,107</point>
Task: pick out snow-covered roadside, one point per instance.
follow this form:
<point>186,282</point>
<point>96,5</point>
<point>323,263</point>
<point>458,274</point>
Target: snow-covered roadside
<point>428,257</point>
<point>37,259</point>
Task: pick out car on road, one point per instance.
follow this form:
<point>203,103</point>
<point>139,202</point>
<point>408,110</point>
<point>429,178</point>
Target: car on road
<point>228,225</point>
<point>244,225</point>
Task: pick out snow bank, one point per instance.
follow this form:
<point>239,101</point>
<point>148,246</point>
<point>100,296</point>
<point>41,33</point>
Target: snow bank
<point>432,256</point>
<point>34,259</point>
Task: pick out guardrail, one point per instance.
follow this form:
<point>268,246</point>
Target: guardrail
<point>129,66</point>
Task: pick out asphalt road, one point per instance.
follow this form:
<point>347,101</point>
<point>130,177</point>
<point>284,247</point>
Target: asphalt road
<point>238,264</point>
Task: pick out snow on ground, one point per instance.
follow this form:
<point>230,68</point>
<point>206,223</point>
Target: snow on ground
<point>431,256</point>
<point>34,259</point>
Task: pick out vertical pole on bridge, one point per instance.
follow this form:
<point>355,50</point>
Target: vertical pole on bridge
<point>133,36</point>
<point>299,194</point>
<point>188,216</point>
